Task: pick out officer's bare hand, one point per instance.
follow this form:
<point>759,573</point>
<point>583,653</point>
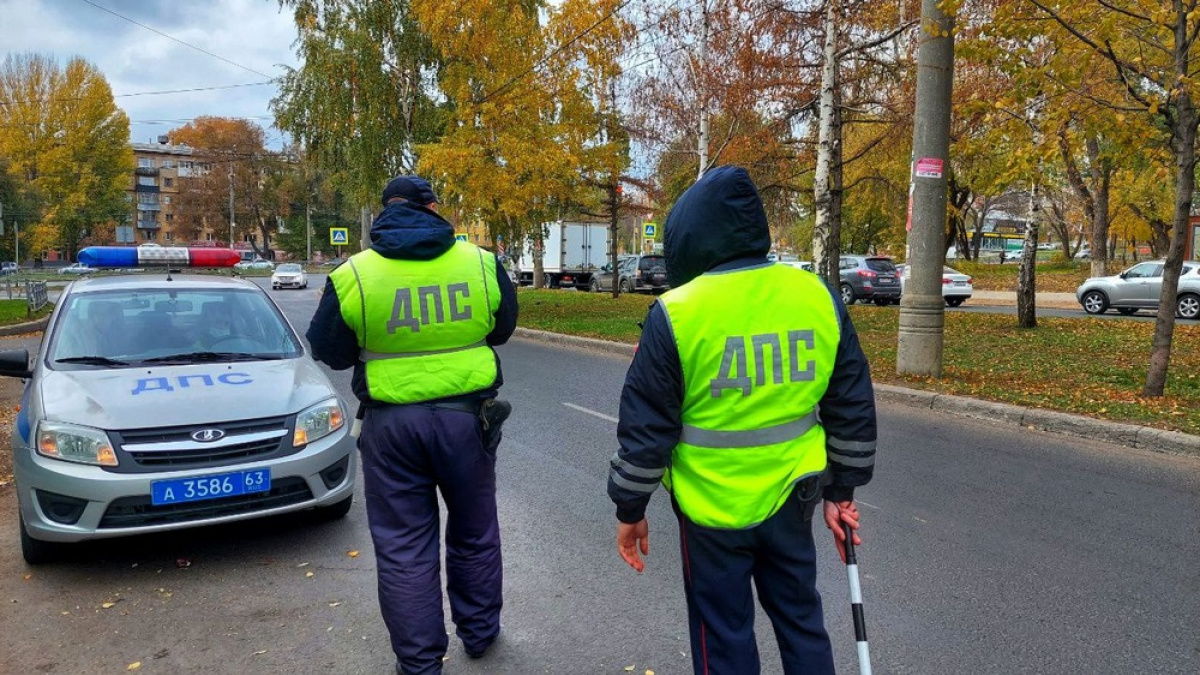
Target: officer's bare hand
<point>837,513</point>
<point>631,537</point>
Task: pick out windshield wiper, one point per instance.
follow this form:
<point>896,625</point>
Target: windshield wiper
<point>92,361</point>
<point>212,356</point>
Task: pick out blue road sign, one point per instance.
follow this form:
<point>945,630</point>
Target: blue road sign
<point>339,236</point>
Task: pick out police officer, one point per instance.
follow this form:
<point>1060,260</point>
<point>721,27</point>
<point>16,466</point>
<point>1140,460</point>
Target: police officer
<point>417,315</point>
<point>748,398</point>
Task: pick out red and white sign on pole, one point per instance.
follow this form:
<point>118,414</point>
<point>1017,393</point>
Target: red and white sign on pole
<point>928,167</point>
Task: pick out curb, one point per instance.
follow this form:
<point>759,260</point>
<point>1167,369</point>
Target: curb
<point>29,327</point>
<point>1079,426</point>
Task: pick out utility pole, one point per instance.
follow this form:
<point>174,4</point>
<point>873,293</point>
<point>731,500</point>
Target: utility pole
<point>702,148</point>
<point>231,216</point>
<point>308,232</point>
<point>922,309</point>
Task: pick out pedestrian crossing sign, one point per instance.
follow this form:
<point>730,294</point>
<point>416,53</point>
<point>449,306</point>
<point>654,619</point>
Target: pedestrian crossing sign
<point>339,236</point>
<point>460,237</point>
<point>649,230</point>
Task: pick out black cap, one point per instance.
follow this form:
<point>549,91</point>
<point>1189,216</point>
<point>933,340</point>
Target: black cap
<point>413,188</point>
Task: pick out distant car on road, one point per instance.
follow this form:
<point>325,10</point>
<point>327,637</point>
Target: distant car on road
<point>256,264</point>
<point>805,265</point>
<point>869,278</point>
<point>956,286</point>
<point>1140,287</point>
<point>9,268</point>
<point>635,273</point>
<point>289,275</point>
<point>75,268</point>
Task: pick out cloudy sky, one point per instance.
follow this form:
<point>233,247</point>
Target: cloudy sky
<point>253,34</point>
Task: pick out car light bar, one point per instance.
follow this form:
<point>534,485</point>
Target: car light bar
<point>158,256</point>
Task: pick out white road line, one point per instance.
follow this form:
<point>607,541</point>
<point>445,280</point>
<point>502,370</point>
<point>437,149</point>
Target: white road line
<point>593,413</point>
<point>869,506</point>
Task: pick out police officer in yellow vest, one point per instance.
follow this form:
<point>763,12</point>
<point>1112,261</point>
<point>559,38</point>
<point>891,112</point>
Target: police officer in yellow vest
<point>749,399</point>
<point>416,315</point>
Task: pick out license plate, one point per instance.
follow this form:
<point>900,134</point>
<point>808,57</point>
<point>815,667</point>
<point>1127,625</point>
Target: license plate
<point>885,280</point>
<point>960,283</point>
<point>215,486</point>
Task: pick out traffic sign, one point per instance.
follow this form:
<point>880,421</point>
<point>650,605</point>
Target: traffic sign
<point>649,230</point>
<point>339,236</point>
<point>460,237</point>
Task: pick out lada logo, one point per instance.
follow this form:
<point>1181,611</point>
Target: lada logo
<point>208,435</point>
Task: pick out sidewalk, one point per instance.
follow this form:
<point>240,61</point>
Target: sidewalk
<point>1009,299</point>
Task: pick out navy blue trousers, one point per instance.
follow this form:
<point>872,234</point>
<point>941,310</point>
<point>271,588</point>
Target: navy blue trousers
<point>778,556</point>
<point>409,454</point>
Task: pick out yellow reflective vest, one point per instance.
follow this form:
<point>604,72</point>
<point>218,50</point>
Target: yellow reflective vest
<point>757,346</point>
<point>422,324</point>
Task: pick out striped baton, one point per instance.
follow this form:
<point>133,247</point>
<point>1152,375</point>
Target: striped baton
<point>860,623</point>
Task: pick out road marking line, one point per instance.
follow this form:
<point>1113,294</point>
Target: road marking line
<point>869,506</point>
<point>593,413</point>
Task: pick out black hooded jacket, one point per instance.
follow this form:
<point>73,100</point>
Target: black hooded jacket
<point>403,231</point>
<point>718,225</point>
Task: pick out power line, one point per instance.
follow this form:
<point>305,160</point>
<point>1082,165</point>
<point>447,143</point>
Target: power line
<point>171,37</point>
<point>143,93</point>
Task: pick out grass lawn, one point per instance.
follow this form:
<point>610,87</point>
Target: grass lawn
<point>17,311</point>
<point>1086,366</point>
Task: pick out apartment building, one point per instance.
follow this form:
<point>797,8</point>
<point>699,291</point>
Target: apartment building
<point>152,189</point>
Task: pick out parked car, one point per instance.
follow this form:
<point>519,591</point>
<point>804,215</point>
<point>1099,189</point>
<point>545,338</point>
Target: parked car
<point>75,268</point>
<point>165,402</point>
<point>956,286</point>
<point>805,265</point>
<point>289,275</point>
<point>1140,287</point>
<point>636,274</point>
<point>869,278</point>
<point>256,264</point>
<point>9,268</point>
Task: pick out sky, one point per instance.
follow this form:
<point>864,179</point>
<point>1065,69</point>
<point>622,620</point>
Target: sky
<point>256,35</point>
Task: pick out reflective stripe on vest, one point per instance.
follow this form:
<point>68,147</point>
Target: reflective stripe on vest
<point>422,324</point>
<point>757,347</point>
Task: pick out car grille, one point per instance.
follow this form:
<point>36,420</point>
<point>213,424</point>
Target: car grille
<point>244,440</point>
<point>140,512</point>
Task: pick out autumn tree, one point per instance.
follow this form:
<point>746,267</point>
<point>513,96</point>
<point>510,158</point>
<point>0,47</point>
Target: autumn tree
<point>237,163</point>
<point>1149,49</point>
<point>532,132</point>
<point>66,141</point>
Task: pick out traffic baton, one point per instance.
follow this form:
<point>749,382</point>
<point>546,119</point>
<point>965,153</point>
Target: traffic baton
<point>860,623</point>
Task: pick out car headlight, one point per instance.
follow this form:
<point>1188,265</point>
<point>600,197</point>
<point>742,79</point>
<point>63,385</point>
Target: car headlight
<point>318,422</point>
<point>75,444</point>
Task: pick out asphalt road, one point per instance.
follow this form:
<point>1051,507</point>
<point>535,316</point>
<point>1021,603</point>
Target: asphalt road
<point>988,550</point>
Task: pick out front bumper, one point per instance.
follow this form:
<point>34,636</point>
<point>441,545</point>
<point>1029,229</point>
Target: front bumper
<point>99,504</point>
<point>287,283</point>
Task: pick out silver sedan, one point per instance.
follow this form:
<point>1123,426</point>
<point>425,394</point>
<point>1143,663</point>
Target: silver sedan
<point>1140,287</point>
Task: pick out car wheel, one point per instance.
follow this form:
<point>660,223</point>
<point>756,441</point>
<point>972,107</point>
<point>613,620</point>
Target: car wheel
<point>1188,306</point>
<point>335,511</point>
<point>625,287</point>
<point>547,281</point>
<point>35,551</point>
<point>1094,302</point>
<point>595,285</point>
<point>1127,311</point>
<point>847,294</point>
<point>954,302</point>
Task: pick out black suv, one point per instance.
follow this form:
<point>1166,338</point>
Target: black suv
<point>638,273</point>
<point>871,278</point>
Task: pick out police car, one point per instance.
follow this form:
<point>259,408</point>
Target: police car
<point>164,402</point>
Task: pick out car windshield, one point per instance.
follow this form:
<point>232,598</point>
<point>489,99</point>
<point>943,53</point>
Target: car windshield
<point>288,267</point>
<point>186,326</point>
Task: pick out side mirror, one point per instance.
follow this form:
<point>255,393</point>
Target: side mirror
<point>15,363</point>
<point>1124,275</point>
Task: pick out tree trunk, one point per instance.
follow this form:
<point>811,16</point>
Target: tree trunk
<point>1027,277</point>
<point>822,193</point>
<point>1183,141</point>
<point>1102,180</point>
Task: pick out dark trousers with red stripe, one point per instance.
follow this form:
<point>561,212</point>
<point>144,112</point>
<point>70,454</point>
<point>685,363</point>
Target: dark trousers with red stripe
<point>779,558</point>
<point>409,454</point>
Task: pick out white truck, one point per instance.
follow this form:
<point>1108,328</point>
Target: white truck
<point>573,253</point>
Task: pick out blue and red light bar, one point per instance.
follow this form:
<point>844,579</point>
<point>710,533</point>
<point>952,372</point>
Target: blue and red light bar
<point>157,256</point>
